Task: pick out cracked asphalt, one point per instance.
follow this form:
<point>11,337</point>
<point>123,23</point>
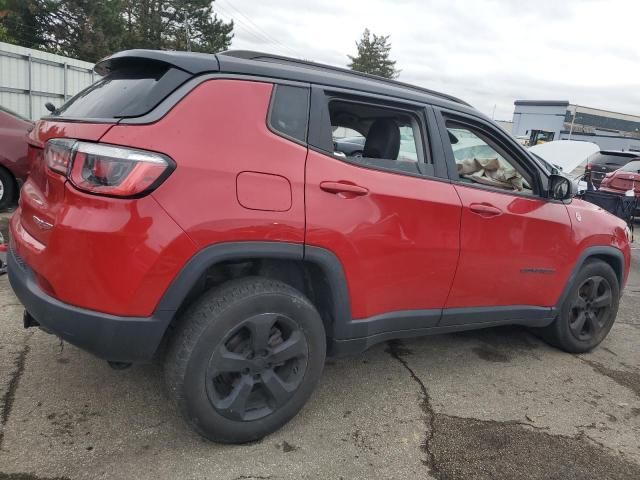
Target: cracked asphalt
<point>494,404</point>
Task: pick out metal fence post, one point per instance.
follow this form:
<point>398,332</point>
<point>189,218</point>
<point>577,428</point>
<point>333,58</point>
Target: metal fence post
<point>30,87</point>
<point>65,81</point>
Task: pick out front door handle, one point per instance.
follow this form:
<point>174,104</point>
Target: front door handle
<point>485,210</point>
<point>347,189</point>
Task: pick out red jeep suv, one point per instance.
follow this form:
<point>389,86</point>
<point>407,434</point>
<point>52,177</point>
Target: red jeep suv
<point>196,206</point>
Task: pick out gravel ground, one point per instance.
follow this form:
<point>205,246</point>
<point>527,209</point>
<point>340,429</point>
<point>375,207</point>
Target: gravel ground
<point>494,404</point>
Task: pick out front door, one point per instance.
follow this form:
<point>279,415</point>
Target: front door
<point>514,242</point>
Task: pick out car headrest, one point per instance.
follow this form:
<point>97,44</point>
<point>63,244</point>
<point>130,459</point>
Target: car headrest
<point>383,140</point>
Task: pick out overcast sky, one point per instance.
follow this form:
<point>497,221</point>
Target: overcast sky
<point>487,52</point>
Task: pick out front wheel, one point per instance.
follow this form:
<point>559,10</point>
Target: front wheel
<point>588,312</point>
<point>245,359</point>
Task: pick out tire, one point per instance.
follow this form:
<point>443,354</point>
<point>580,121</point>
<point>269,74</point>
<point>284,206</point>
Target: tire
<point>7,189</point>
<point>266,378</point>
<point>586,317</point>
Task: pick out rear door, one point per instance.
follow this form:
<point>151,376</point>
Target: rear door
<point>388,215</point>
<point>514,242</point>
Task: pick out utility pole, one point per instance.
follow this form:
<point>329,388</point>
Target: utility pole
<point>573,120</point>
<point>186,31</point>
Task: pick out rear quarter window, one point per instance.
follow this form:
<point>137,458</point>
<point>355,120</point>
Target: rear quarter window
<point>124,93</point>
<point>289,113</point>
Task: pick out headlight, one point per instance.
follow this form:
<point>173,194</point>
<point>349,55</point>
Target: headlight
<point>627,230</point>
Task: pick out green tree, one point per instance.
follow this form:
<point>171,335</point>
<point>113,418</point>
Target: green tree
<point>373,56</point>
<point>86,29</point>
<point>175,25</point>
<point>92,29</point>
<point>24,22</point>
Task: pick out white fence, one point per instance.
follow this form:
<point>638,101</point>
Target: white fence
<point>30,78</point>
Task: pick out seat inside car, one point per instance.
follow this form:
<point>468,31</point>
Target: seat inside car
<point>383,139</point>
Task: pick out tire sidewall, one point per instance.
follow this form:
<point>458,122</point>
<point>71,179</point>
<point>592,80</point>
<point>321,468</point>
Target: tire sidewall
<point>195,401</point>
<point>561,326</point>
<point>9,191</point>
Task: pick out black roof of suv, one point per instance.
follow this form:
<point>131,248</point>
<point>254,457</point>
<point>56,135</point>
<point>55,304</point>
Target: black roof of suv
<point>275,66</point>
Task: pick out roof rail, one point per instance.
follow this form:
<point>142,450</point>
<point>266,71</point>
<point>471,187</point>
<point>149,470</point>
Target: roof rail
<point>261,56</point>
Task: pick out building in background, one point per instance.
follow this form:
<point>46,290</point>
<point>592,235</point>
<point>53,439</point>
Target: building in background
<point>545,120</point>
<point>506,125</point>
<point>30,78</point>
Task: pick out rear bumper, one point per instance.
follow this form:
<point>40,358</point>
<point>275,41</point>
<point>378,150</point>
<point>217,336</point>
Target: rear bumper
<point>111,337</point>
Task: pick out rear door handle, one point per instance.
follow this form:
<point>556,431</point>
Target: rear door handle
<point>485,210</point>
<point>350,189</point>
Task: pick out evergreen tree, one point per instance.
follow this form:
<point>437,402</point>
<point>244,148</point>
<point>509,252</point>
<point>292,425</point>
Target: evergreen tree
<point>373,56</point>
<point>24,22</point>
<point>175,25</point>
<point>86,29</point>
<point>91,29</point>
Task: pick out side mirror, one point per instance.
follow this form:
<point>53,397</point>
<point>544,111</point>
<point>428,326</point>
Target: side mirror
<point>50,106</point>
<point>560,187</point>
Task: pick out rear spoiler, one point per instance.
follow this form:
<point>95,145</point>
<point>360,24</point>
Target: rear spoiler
<point>193,63</point>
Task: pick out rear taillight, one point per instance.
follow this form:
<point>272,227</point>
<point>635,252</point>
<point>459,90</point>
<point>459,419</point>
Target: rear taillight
<point>57,153</point>
<point>107,169</point>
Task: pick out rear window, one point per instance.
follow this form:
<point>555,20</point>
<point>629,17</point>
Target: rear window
<point>124,93</point>
<point>609,159</point>
<point>632,167</point>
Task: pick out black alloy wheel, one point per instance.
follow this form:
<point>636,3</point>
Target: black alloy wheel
<point>591,308</point>
<point>258,366</point>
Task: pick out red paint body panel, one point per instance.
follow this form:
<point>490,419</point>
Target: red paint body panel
<point>598,227</point>
<point>210,146</point>
<point>620,181</point>
<point>13,145</point>
<point>42,195</point>
<point>116,256</point>
<point>398,244</point>
<point>109,255</point>
<point>502,256</point>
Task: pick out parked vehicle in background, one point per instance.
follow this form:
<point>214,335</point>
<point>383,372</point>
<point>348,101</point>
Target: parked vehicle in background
<point>350,146</point>
<point>569,156</point>
<point>622,180</point>
<point>14,164</point>
<point>148,224</point>
<point>605,161</point>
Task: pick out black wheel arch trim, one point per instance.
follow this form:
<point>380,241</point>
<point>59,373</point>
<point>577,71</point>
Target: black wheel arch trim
<point>181,286</point>
<point>587,254</point>
<point>368,331</point>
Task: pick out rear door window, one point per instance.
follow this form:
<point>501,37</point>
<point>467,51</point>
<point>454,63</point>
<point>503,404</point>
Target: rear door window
<point>124,93</point>
<point>374,134</point>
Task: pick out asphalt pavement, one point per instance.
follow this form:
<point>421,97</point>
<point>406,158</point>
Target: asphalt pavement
<point>490,404</point>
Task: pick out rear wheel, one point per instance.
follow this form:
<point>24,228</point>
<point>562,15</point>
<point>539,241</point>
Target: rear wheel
<point>7,189</point>
<point>589,311</point>
<point>245,359</point>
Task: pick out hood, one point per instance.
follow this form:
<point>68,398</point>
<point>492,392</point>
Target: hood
<point>567,154</point>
